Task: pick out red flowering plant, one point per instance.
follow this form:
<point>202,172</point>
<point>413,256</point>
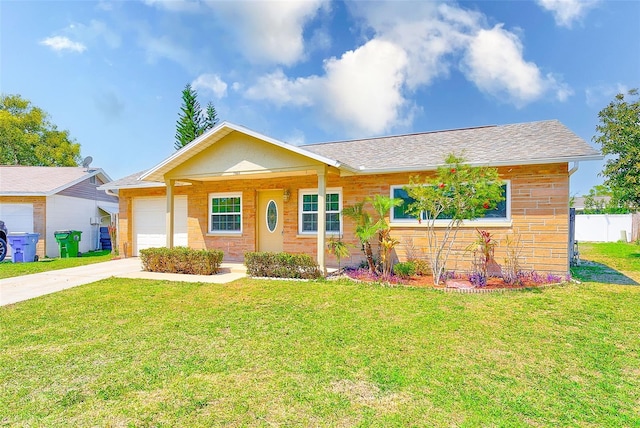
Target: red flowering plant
<point>455,194</point>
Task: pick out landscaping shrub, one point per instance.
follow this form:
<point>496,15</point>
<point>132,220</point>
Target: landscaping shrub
<point>404,270</point>
<point>281,265</point>
<point>181,260</point>
<point>422,266</point>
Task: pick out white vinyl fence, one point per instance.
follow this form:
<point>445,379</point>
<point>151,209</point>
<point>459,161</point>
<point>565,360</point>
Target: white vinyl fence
<point>606,227</point>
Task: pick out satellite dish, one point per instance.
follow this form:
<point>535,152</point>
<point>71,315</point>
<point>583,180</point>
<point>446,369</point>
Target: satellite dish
<point>87,161</point>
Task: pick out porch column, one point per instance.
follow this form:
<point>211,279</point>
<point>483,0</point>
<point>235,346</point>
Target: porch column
<point>322,216</point>
<point>170,207</point>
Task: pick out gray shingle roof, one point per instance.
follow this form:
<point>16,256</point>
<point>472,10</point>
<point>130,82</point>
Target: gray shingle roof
<point>132,180</point>
<point>515,144</point>
<point>42,180</point>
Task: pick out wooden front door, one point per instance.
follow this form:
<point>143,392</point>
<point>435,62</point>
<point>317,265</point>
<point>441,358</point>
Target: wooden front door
<point>270,220</point>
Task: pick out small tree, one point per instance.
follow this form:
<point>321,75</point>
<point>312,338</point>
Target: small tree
<point>368,228</point>
<point>603,200</point>
<point>619,136</point>
<point>382,206</point>
<point>456,193</point>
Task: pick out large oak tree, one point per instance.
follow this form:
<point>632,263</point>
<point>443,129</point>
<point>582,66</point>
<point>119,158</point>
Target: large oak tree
<point>619,136</point>
<point>27,136</point>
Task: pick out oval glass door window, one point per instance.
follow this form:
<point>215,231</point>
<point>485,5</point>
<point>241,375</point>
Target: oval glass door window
<point>272,216</point>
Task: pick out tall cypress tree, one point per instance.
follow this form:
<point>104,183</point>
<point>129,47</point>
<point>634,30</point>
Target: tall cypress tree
<point>193,121</point>
<point>212,117</point>
<point>190,122</point>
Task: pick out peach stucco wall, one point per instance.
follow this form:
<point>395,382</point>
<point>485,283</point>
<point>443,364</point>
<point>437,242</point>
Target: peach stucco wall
<point>539,214</point>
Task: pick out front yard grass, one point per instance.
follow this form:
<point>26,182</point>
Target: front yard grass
<point>9,269</point>
<point>123,352</point>
<point>610,262</point>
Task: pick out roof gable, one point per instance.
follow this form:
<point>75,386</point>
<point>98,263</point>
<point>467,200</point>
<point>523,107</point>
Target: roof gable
<point>177,164</point>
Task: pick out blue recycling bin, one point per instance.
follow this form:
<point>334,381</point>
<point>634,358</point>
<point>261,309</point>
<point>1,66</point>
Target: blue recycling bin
<point>23,246</point>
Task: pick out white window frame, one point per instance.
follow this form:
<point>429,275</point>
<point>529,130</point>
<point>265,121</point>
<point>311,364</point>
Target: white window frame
<point>475,222</point>
<point>210,213</point>
<point>331,190</point>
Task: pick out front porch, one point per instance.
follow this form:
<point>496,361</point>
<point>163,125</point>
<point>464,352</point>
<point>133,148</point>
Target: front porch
<point>247,192</point>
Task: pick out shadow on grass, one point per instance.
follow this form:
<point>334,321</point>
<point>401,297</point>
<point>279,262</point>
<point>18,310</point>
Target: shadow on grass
<point>589,271</point>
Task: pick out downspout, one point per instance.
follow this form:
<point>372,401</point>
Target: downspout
<point>574,169</point>
<point>572,237</point>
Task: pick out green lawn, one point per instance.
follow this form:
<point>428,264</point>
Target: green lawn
<point>260,353</point>
<point>9,269</point>
<point>611,262</point>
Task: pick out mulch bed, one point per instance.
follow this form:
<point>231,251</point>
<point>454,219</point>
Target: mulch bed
<point>462,285</point>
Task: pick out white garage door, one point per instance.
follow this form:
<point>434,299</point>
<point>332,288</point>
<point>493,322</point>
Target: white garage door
<point>149,223</point>
<point>17,218</point>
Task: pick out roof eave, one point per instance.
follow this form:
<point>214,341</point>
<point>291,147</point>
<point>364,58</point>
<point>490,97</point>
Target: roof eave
<point>545,161</point>
<point>139,185</point>
<point>43,194</point>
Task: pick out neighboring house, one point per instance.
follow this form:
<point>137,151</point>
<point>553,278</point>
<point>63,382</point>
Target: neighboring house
<point>237,190</point>
<point>37,199</point>
<point>579,202</point>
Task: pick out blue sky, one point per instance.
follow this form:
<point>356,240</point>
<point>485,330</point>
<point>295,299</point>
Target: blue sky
<point>112,72</point>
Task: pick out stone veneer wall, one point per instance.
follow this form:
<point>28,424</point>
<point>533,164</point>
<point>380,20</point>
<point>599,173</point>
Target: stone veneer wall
<point>539,215</point>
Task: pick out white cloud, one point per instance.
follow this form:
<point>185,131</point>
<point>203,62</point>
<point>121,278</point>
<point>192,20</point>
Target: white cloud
<point>429,32</point>
<point>566,12</point>
<point>211,82</point>
<point>362,89</point>
<point>277,88</point>
<point>441,37</point>
<point>494,63</point>
<point>269,32</point>
<point>410,45</point>
<point>61,43</point>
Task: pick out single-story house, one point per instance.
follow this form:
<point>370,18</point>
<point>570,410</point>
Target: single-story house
<point>38,199</point>
<point>237,190</point>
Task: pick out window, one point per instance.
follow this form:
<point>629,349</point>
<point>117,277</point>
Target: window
<point>308,211</point>
<point>401,214</point>
<point>225,213</point>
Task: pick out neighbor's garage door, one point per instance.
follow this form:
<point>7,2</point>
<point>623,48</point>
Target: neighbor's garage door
<point>149,223</point>
<point>17,218</point>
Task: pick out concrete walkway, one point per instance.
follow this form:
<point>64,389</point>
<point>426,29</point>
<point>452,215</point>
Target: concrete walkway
<point>26,287</point>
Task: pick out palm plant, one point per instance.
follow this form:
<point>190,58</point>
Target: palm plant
<point>367,228</point>
<point>365,231</point>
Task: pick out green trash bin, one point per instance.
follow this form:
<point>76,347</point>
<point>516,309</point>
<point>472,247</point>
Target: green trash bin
<point>68,241</point>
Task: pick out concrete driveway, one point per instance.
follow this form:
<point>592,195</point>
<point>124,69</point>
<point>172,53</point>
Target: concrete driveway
<point>26,287</point>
